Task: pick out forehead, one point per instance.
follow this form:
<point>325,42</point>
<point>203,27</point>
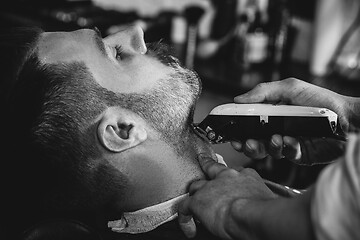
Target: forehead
<point>65,46</point>
<point>139,73</point>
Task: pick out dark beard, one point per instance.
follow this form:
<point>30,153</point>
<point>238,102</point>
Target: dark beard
<point>169,107</point>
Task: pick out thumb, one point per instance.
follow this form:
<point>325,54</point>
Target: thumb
<point>250,97</point>
<point>263,92</point>
<point>345,125</point>
<point>185,219</point>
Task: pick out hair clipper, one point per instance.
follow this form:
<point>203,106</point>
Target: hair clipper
<point>238,122</point>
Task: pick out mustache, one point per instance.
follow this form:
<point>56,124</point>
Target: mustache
<point>163,52</point>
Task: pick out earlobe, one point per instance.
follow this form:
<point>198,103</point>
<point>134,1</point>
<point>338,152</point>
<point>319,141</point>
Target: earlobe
<point>118,131</point>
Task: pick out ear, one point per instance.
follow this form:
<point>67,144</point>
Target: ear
<point>118,130</point>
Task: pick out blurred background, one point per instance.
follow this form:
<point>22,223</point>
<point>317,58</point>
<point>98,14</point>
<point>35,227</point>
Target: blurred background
<point>232,44</point>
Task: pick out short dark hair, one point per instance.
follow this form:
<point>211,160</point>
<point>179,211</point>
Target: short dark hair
<point>49,109</point>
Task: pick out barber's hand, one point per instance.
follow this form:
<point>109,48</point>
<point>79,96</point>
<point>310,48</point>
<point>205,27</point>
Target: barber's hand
<point>294,92</point>
<point>211,202</point>
<point>278,147</point>
<point>297,92</point>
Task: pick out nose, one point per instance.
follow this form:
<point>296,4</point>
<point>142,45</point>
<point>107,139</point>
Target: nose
<point>131,38</point>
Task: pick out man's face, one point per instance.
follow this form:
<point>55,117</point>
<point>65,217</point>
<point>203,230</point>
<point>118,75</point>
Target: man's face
<point>155,86</point>
<point>150,84</point>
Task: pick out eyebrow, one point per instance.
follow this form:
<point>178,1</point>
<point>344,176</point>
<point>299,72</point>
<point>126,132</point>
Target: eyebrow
<point>98,41</point>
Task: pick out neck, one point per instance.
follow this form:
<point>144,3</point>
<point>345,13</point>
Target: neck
<point>186,168</point>
<point>158,173</point>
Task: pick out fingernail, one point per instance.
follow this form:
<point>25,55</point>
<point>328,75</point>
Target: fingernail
<point>241,96</point>
<point>189,228</point>
<point>238,98</point>
<point>249,147</point>
<point>204,157</point>
<point>274,143</point>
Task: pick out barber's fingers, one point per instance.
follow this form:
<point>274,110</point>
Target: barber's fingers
<point>276,146</point>
<point>185,219</point>
<point>284,147</point>
<point>292,150</point>
<point>251,148</point>
<point>238,146</point>
<point>195,186</point>
<point>255,149</point>
<point>210,167</point>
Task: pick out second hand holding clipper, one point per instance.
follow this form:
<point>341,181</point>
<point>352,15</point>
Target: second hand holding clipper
<point>238,122</point>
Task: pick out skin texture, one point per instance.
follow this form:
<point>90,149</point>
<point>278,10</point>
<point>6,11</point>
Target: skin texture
<point>237,205</point>
<point>130,140</point>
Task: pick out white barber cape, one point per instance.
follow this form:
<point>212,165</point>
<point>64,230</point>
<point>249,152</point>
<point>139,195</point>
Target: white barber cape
<point>147,219</point>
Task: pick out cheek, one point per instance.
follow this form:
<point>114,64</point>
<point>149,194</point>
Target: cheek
<point>146,74</point>
<point>110,76</point>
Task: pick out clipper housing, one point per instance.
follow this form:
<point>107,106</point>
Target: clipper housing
<point>238,122</point>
